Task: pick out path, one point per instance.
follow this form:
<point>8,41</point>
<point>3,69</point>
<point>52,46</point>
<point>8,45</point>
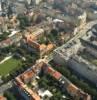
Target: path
<point>5,59</point>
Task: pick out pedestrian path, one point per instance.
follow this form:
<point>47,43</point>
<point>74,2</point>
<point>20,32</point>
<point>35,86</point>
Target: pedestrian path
<point>5,59</point>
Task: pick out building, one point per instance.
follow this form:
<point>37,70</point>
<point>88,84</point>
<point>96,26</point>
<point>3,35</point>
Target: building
<point>31,43</point>
<point>66,85</point>
<point>25,91</point>
<point>34,34</point>
<point>2,98</point>
<point>0,6</point>
<point>68,54</point>
<point>76,63</point>
<point>45,93</point>
<point>3,24</point>
<point>37,2</point>
<point>28,76</point>
<point>29,2</point>
<point>41,65</point>
<point>5,43</point>
<point>11,40</point>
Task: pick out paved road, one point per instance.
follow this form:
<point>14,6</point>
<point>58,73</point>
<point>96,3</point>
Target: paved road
<point>5,87</point>
<point>81,32</point>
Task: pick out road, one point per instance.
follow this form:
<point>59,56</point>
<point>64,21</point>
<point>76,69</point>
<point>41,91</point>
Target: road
<point>82,32</point>
<point>5,87</point>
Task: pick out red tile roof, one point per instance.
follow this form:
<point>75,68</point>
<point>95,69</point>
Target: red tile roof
<point>50,47</point>
<point>57,75</point>
<point>50,70</point>
<point>27,75</point>
<point>72,89</point>
<point>42,47</point>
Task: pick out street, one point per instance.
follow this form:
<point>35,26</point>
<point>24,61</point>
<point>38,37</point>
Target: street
<point>5,87</point>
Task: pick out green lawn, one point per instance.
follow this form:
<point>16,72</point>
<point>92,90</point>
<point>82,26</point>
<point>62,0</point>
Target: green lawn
<point>9,65</point>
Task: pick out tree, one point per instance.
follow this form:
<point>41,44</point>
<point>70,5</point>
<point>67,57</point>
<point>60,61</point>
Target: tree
<point>6,78</point>
<point>54,32</point>
<point>74,78</point>
<point>9,95</point>
<point>24,21</point>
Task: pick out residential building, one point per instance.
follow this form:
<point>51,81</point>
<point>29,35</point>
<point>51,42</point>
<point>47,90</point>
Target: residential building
<point>2,98</point>
<point>28,76</point>
<point>45,93</point>
<point>34,34</point>
<point>26,92</point>
<point>68,54</point>
<point>30,42</point>
<point>36,2</point>
<point>66,85</point>
<point>3,25</point>
<point>41,65</point>
<point>11,40</point>
<point>5,43</point>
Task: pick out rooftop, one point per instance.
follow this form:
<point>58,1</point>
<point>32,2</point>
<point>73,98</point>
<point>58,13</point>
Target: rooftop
<point>50,47</point>
<point>42,47</point>
<point>27,90</point>
<point>30,37</point>
<point>72,47</point>
<point>33,94</point>
<point>86,62</point>
<point>71,88</point>
<point>2,98</point>
<point>27,75</point>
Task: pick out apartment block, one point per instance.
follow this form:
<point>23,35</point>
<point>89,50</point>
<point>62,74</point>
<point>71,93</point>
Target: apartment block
<point>66,85</point>
<point>68,53</point>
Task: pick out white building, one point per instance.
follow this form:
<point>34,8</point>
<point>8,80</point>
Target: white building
<point>36,2</point>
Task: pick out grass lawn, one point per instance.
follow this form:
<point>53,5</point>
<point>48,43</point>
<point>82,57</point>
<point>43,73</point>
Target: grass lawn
<point>9,65</point>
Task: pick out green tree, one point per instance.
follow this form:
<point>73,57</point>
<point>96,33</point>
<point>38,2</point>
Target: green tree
<point>24,21</point>
<point>9,95</point>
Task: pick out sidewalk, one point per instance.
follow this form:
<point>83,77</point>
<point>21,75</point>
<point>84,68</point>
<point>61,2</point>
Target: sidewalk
<point>5,59</point>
